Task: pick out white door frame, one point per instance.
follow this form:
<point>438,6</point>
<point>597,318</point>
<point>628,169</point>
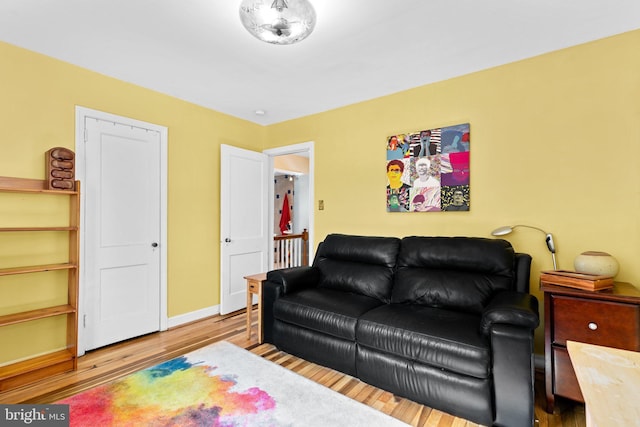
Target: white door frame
<point>303,147</point>
<point>81,114</point>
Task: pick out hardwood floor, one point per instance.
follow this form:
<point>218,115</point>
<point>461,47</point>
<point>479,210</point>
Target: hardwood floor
<point>109,363</point>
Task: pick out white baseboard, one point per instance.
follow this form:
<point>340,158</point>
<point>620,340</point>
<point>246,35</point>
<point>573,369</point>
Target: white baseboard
<point>181,319</point>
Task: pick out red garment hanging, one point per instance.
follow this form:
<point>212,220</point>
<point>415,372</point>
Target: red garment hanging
<point>286,216</point>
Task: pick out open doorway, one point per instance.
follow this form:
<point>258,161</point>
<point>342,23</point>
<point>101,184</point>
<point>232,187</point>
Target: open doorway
<point>291,200</point>
<point>291,211</point>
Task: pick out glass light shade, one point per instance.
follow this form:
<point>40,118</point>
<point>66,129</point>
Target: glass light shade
<point>278,21</point>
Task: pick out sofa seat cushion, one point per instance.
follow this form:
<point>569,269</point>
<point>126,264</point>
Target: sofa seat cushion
<point>441,338</point>
<point>325,310</point>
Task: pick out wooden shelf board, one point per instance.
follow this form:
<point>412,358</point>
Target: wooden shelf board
<point>66,228</point>
<point>27,371</point>
<point>41,313</point>
<point>27,185</point>
<point>36,268</point>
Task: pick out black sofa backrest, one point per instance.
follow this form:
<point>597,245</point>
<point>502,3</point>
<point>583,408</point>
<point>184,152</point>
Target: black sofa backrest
<point>360,264</point>
<point>460,273</point>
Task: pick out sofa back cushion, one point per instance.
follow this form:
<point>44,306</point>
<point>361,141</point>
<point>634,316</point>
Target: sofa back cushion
<point>459,273</point>
<point>358,264</point>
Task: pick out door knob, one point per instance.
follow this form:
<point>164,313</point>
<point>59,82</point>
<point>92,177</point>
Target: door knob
<point>154,245</point>
<point>227,240</point>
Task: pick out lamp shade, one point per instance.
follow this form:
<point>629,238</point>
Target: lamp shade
<point>501,231</point>
<point>278,21</point>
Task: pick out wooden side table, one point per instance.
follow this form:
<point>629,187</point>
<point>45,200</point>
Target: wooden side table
<point>254,287</point>
<point>610,383</point>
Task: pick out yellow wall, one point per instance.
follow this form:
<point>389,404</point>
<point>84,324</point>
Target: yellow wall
<point>292,163</point>
<point>555,143</point>
<point>37,112</point>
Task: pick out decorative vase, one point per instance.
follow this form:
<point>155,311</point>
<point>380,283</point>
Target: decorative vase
<point>597,263</point>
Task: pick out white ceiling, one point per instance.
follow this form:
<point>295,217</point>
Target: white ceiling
<point>197,50</point>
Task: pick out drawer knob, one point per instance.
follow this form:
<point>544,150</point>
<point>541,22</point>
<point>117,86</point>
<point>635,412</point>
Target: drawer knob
<point>593,326</point>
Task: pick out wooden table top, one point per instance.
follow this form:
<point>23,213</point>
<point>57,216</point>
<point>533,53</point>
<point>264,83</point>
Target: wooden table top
<point>610,382</point>
<point>260,276</point>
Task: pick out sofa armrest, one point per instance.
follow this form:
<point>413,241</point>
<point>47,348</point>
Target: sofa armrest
<point>513,375</point>
<point>295,278</point>
<point>279,283</point>
<point>511,308</point>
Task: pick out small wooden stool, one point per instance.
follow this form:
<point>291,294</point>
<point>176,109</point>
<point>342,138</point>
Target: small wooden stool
<point>254,286</point>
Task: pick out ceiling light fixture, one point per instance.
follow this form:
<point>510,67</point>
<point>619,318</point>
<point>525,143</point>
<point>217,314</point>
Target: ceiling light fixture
<point>278,21</point>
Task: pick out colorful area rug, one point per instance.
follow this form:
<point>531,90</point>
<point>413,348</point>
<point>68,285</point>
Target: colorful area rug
<point>220,385</point>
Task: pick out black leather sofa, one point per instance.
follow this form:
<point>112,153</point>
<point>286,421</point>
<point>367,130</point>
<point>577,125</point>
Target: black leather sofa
<point>444,321</point>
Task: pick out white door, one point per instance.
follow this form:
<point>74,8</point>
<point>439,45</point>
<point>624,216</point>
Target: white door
<point>121,231</point>
<point>243,222</point>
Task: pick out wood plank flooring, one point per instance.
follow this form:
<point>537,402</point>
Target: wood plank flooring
<point>112,362</point>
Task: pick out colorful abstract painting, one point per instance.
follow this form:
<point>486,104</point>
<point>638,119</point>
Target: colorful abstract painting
<point>428,170</point>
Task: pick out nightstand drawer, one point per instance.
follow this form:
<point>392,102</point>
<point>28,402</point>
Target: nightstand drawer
<point>598,322</point>
<point>564,378</point>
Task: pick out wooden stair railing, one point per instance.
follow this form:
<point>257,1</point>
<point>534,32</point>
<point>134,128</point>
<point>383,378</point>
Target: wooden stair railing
<point>291,250</point>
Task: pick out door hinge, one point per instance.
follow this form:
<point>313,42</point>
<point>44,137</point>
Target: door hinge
<point>86,135</point>
<point>84,321</point>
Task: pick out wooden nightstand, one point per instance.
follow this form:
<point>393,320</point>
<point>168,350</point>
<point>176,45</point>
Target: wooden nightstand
<point>254,287</point>
<point>608,318</point>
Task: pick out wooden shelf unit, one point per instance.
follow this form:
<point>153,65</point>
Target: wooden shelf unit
<point>42,366</point>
